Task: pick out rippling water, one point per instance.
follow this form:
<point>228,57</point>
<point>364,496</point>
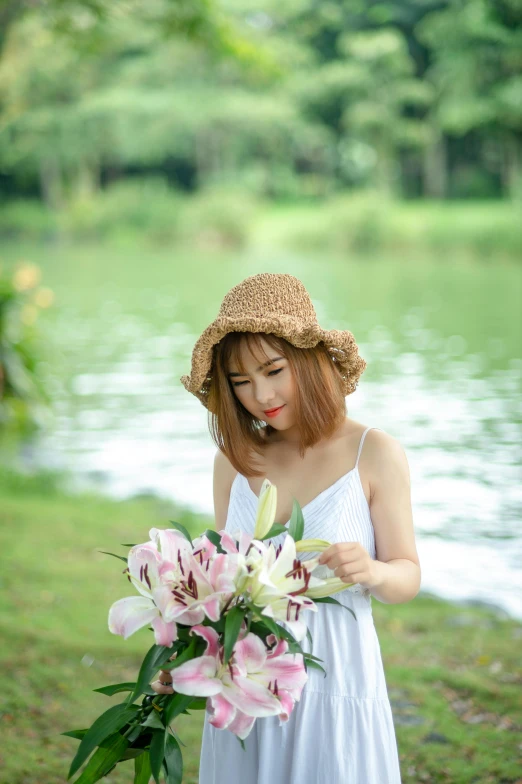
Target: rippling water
<point>443,344</point>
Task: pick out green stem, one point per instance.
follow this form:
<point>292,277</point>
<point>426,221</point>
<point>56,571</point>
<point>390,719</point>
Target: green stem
<point>131,727</point>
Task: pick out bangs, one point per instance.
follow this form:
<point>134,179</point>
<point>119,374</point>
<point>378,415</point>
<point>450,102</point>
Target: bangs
<point>232,348</point>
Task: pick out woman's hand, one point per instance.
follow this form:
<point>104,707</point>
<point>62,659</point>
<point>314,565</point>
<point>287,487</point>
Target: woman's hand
<point>352,563</point>
<point>164,683</point>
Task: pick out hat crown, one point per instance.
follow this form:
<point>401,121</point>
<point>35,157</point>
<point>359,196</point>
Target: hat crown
<point>269,293</point>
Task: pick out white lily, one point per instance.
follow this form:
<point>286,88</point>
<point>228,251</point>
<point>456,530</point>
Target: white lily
<point>330,586</point>
<point>312,545</point>
<point>327,583</point>
<point>266,509</point>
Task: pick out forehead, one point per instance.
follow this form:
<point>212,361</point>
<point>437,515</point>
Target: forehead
<point>250,352</point>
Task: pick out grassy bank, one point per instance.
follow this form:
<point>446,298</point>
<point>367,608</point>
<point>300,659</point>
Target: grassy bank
<point>218,218</point>
<point>453,673</point>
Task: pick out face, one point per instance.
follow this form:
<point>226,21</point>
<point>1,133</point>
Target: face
<point>265,386</point>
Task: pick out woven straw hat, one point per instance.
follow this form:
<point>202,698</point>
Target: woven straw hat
<point>279,304</point>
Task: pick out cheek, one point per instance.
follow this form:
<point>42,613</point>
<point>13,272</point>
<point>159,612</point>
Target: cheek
<point>242,393</point>
<point>289,386</point>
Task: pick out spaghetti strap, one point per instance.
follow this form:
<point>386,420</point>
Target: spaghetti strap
<point>362,442</point>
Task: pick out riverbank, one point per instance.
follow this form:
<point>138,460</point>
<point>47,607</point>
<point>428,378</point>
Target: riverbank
<point>453,672</point>
<point>346,223</point>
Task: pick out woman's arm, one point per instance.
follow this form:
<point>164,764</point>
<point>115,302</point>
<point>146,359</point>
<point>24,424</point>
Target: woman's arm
<point>397,568</point>
<point>224,473</point>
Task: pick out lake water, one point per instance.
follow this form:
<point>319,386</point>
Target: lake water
<point>443,342</point>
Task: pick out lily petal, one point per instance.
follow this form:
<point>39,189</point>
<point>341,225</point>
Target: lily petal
<point>164,633</point>
<point>222,712</point>
<point>212,639</point>
<point>250,653</point>
<point>249,696</point>
<point>128,615</point>
<point>241,725</point>
<point>197,677</point>
<point>266,509</point>
<point>287,705</point>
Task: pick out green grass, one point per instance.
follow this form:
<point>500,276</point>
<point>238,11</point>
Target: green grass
<point>347,223</point>
<point>454,674</point>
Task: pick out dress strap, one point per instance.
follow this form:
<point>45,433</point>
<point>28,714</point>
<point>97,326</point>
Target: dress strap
<point>362,442</point>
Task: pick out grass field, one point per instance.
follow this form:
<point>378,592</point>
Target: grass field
<point>454,673</point>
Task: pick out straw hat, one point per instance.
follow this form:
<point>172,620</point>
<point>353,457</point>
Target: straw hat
<point>279,304</point>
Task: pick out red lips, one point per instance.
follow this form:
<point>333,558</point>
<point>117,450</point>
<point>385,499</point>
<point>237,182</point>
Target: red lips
<point>272,411</point>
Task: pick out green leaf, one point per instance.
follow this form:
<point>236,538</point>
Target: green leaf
<point>309,656</point>
<point>131,754</point>
<point>78,734</point>
<point>174,760</point>
<point>153,720</point>
<point>270,624</point>
<point>181,529</point>
<point>152,662</point>
<point>175,734</point>
<point>175,706</point>
<point>296,525</point>
<point>295,647</point>
<point>109,722</point>
<point>233,621</point>
<point>142,771</point>
<point>114,555</point>
<point>128,545</point>
<point>309,637</point>
<point>276,529</point>
<point>198,703</point>
<point>314,665</point>
<point>157,752</point>
<point>116,688</point>
<point>103,759</point>
<point>273,628</point>
<point>135,733</point>
<point>331,600</point>
<point>188,653</point>
<point>215,538</point>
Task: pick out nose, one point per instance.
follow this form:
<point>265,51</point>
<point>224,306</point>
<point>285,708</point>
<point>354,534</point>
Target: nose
<point>264,393</point>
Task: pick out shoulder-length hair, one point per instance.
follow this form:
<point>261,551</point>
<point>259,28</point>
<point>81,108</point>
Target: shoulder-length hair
<point>319,402</point>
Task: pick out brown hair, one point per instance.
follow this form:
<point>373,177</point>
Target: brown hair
<point>320,403</point>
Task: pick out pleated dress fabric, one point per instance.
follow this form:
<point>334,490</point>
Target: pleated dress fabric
<point>341,730</point>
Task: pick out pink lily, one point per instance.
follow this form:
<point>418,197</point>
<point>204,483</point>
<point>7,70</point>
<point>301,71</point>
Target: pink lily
<point>195,584</point>
<point>254,683</point>
<point>132,613</point>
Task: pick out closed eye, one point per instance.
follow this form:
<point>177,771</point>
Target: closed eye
<point>272,373</point>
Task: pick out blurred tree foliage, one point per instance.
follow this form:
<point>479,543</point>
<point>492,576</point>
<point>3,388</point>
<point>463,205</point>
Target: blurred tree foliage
<point>23,397</point>
<point>413,97</point>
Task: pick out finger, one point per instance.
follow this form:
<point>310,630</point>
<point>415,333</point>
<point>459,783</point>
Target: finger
<point>346,563</point>
<point>162,688</point>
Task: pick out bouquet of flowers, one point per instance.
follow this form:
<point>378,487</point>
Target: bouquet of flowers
<point>226,615</point>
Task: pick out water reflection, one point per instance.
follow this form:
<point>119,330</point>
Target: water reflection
<point>444,376</point>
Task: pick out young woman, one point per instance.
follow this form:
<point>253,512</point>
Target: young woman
<point>275,384</point>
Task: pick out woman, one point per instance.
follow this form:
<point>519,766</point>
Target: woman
<point>275,383</point>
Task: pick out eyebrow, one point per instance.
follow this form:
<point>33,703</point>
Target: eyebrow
<point>265,364</point>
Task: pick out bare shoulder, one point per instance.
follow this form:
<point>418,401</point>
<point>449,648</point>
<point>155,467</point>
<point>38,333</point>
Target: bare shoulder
<point>385,460</point>
<point>224,475</point>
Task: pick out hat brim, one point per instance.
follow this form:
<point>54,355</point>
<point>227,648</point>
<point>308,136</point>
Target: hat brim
<point>341,343</point>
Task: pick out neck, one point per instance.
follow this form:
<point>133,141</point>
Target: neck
<point>289,436</point>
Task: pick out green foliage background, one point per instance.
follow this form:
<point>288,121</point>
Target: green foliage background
<point>295,100</point>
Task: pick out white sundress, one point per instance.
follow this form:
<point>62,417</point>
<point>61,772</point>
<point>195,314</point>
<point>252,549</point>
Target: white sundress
<point>341,730</point>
